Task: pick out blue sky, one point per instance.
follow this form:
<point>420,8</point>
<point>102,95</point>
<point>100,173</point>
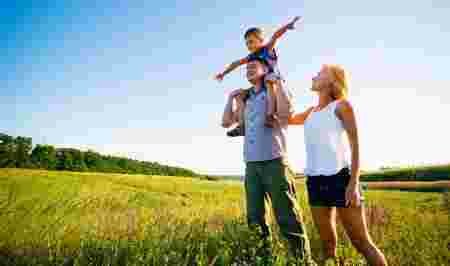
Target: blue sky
<point>134,78</point>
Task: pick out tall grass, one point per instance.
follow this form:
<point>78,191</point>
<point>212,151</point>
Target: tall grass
<point>66,218</point>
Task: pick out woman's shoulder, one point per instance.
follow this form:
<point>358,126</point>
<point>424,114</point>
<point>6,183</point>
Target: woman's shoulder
<point>342,104</point>
<point>342,107</point>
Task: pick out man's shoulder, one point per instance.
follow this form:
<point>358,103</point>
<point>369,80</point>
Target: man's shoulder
<point>282,88</point>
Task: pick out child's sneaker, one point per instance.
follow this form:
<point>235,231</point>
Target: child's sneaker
<point>238,131</point>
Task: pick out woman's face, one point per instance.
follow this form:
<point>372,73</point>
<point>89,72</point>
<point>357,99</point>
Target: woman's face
<point>255,71</point>
<point>322,80</point>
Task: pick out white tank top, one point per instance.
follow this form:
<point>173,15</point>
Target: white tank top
<point>324,141</point>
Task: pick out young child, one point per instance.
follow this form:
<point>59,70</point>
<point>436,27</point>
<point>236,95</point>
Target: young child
<point>265,53</point>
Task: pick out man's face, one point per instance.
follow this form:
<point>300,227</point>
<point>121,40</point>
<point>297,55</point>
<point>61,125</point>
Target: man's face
<point>255,71</point>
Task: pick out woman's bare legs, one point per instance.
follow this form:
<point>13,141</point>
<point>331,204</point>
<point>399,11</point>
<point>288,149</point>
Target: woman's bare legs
<point>325,221</point>
<point>354,221</point>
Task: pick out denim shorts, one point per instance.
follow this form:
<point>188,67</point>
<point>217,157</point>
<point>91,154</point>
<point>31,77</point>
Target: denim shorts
<point>329,191</point>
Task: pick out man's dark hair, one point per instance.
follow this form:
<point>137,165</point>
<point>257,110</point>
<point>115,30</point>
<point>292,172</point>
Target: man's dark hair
<point>253,31</point>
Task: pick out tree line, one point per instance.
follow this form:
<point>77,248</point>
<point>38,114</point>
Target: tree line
<point>412,173</point>
<point>18,152</point>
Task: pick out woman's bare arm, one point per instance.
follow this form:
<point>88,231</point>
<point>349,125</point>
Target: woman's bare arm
<point>345,113</point>
<point>299,119</point>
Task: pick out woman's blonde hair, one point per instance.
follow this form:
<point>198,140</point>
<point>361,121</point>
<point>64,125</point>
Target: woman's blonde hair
<point>340,85</point>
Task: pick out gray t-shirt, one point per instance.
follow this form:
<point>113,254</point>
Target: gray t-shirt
<point>260,142</point>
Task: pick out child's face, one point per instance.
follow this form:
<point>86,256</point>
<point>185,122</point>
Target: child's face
<point>253,43</point>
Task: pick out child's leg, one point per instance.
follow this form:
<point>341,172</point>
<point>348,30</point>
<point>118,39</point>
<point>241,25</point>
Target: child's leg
<point>241,125</point>
<point>271,102</point>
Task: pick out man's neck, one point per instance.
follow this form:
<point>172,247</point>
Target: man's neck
<point>257,85</point>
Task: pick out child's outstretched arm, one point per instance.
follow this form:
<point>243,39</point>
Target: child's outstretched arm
<point>281,31</point>
<point>231,67</point>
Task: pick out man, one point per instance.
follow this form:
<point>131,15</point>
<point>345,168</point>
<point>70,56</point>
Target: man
<point>267,174</point>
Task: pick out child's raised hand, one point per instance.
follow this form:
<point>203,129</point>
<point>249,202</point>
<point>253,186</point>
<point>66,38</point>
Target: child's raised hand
<point>219,77</point>
<point>291,25</point>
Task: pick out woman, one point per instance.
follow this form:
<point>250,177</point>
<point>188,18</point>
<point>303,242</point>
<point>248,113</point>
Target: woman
<point>332,186</point>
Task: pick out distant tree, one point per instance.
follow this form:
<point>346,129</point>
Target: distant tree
<point>78,163</point>
<point>124,164</point>
<point>44,157</point>
<point>7,151</point>
<point>64,159</point>
<point>93,160</point>
<point>23,147</point>
<point>18,152</point>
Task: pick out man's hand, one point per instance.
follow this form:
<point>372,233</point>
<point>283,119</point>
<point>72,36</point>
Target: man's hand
<point>233,106</point>
<point>238,96</point>
<point>291,25</point>
<point>236,93</point>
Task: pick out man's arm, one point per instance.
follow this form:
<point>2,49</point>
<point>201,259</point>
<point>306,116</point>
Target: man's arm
<point>232,113</point>
<point>231,67</point>
<point>280,32</point>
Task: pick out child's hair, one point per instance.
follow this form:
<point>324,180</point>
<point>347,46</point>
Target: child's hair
<point>257,32</point>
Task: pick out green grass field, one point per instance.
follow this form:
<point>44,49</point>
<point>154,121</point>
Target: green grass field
<point>60,218</point>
